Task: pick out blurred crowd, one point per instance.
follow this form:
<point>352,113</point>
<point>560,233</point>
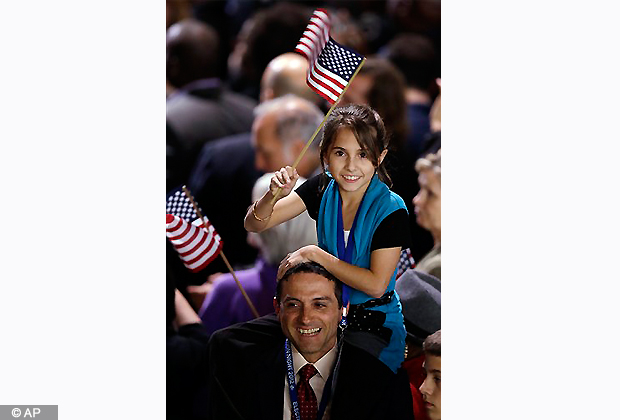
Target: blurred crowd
<point>238,109</point>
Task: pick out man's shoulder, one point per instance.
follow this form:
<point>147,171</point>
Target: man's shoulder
<point>263,331</point>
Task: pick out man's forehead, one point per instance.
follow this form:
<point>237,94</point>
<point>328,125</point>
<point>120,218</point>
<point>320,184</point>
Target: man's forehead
<point>309,283</point>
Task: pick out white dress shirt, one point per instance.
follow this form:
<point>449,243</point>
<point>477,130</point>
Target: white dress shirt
<point>324,366</point>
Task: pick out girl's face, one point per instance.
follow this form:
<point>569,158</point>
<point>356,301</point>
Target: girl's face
<point>349,163</point>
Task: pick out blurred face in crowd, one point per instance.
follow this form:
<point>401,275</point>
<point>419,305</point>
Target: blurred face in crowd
<point>271,153</point>
<point>428,201</point>
<point>357,93</point>
<point>431,387</point>
<point>309,314</point>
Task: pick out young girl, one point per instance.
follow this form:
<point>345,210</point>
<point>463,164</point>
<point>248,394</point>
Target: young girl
<point>361,226</point>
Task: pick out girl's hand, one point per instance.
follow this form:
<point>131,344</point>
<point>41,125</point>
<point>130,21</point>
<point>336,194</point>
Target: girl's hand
<point>301,255</point>
<point>285,178</point>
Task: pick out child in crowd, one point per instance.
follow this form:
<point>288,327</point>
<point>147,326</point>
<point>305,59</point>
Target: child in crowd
<point>431,387</point>
<point>361,226</point>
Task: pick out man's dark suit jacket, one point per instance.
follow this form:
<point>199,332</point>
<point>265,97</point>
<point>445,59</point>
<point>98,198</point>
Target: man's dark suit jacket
<point>247,371</point>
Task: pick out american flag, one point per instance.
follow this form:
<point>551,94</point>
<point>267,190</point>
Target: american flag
<point>196,241</point>
<point>405,262</point>
<point>331,64</point>
<point>179,204</point>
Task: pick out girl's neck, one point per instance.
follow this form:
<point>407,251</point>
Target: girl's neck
<point>352,198</point>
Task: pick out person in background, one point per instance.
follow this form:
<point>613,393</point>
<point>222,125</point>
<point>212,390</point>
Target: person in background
<point>270,32</point>
<point>201,109</point>
<point>415,57</point>
<point>431,388</point>
<point>420,296</point>
<point>428,209</point>
<point>280,131</point>
<point>231,160</point>
<point>224,304</point>
<point>186,357</point>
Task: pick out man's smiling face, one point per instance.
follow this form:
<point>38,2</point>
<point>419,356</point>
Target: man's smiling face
<point>309,314</point>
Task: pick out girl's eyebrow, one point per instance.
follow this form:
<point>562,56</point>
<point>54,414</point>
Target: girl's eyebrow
<point>342,148</point>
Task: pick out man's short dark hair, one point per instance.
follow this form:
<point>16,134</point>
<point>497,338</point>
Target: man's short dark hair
<point>432,344</point>
<point>310,267</point>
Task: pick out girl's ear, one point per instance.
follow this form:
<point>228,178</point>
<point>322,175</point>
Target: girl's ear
<point>382,156</point>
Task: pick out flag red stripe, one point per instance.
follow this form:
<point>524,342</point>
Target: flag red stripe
<point>314,45</point>
<point>206,253</point>
<point>331,79</point>
<point>325,96</point>
<point>174,235</point>
<point>318,32</point>
<point>308,42</point>
<point>208,261</point>
<point>196,247</point>
<point>176,222</point>
<point>301,52</point>
<point>208,248</point>
<point>325,86</point>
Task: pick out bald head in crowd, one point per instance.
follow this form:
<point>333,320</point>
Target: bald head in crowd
<point>280,131</point>
<point>287,74</point>
<point>191,52</point>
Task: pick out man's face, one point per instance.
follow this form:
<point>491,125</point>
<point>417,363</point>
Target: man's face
<point>309,314</point>
<point>431,387</point>
<point>271,153</point>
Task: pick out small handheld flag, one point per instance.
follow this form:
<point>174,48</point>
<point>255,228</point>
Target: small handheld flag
<point>331,66</point>
<point>197,246</point>
<point>180,204</point>
<point>195,240</point>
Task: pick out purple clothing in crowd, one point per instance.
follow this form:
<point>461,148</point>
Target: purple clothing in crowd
<point>225,305</point>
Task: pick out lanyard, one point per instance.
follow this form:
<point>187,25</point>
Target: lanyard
<point>345,253</point>
<point>290,374</point>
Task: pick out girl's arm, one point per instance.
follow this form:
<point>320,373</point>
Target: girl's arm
<point>373,281</point>
<point>263,215</point>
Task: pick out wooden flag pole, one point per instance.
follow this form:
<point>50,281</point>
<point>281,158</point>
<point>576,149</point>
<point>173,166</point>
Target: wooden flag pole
<point>303,151</point>
<point>245,295</point>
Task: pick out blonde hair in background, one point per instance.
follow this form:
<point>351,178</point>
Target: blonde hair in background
<point>431,161</point>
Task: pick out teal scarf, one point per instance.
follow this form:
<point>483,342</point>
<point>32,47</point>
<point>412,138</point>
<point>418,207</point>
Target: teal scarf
<point>378,203</point>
